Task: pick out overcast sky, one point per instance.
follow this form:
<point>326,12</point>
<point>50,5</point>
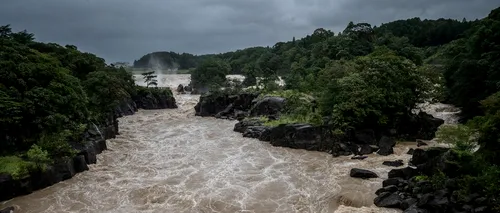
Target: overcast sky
<point>124,30</point>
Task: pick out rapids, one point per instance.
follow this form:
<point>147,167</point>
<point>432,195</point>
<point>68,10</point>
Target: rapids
<point>171,161</point>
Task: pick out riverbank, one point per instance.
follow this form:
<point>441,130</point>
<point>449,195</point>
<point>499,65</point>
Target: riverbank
<point>94,143</point>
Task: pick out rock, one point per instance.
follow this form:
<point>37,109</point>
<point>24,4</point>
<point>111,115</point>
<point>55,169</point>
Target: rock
<point>405,173</point>
<point>421,156</point>
<point>396,163</point>
<point>391,188</point>
<point>366,149</point>
<point>410,151</point>
<point>366,136</point>
<point>226,112</point>
<point>180,88</point>
<point>267,106</point>
<point>414,209</point>
<point>359,157</point>
<point>393,182</point>
<point>188,88</point>
<point>226,105</point>
<point>65,170</point>
<point>440,201</point>
<point>255,131</point>
<point>407,203</point>
<point>421,143</point>
<point>362,173</point>
<point>80,164</point>
<point>420,126</point>
<point>9,209</point>
<point>302,136</point>
<point>244,124</point>
<point>386,145</point>
<point>155,98</point>
<point>388,200</point>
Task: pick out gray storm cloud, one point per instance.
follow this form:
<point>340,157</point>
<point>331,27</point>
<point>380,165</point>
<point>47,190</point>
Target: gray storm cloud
<point>124,30</point>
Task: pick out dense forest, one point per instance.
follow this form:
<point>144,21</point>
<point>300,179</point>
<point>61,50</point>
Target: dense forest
<point>50,96</point>
<point>373,77</point>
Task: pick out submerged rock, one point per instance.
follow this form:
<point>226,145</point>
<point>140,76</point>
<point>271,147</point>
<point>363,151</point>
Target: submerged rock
<point>395,163</point>
<point>362,173</point>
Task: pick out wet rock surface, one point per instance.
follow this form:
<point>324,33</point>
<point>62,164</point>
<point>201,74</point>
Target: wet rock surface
<point>362,173</point>
<point>408,190</point>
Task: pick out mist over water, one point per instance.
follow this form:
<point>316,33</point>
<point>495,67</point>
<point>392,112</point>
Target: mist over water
<point>171,161</point>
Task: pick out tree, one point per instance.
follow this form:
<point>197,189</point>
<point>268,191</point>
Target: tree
<point>211,73</point>
<point>382,89</point>
<point>150,79</point>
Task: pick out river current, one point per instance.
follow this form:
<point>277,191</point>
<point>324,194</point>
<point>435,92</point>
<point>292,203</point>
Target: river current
<point>172,161</point>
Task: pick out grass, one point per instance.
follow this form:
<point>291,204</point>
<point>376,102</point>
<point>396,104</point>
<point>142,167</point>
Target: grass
<point>15,166</point>
<point>294,119</point>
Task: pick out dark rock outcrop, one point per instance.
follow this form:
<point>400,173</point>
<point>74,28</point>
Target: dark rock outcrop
<point>362,173</point>
<point>268,106</point>
<point>386,145</point>
<point>224,106</point>
<point>180,89</point>
<point>155,98</point>
<point>302,136</point>
<point>408,188</point>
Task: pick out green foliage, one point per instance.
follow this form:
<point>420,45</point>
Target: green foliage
<point>421,178</point>
<point>211,72</point>
<point>382,88</point>
<point>106,89</point>
<point>49,93</point>
<point>15,166</point>
<point>56,144</point>
<point>298,108</point>
<point>150,79</point>
<point>460,136</point>
<point>38,156</point>
<point>473,72</point>
<point>39,95</point>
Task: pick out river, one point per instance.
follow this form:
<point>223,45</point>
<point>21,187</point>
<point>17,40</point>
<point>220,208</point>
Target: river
<point>171,161</point>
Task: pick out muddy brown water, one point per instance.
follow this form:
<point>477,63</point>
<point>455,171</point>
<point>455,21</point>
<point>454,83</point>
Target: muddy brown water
<point>171,161</point>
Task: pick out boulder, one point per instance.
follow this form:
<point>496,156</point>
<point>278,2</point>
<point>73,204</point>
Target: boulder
<point>386,145</point>
<point>366,149</point>
<point>80,164</point>
<point>405,173</point>
<point>268,106</point>
<point>301,136</point>
<point>224,105</point>
<point>65,170</point>
<point>388,200</point>
<point>180,89</point>
<point>188,88</point>
<point>255,131</point>
<point>391,188</point>
<point>395,163</point>
<point>420,126</point>
<point>362,173</point>
<point>393,182</point>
